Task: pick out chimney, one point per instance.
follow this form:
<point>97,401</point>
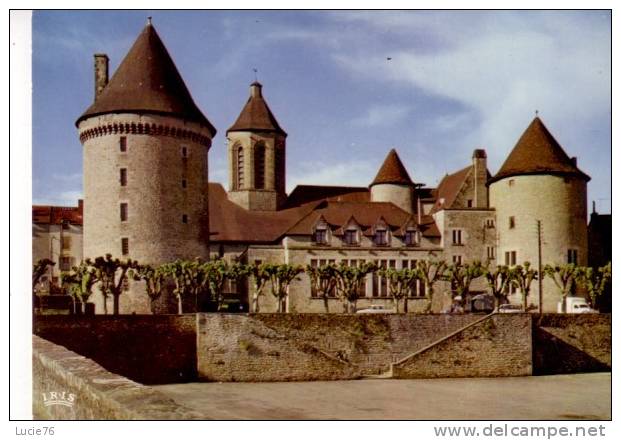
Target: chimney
<point>81,206</point>
<point>574,161</point>
<point>101,73</point>
<point>479,175</point>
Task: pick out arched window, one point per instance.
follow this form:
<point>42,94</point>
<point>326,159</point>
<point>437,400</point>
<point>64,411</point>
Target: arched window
<point>240,168</point>
<point>259,166</point>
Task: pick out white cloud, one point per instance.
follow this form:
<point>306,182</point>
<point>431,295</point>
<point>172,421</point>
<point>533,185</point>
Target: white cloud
<point>352,173</point>
<point>382,115</point>
<point>65,198</point>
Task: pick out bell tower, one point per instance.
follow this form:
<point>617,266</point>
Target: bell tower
<point>256,149</point>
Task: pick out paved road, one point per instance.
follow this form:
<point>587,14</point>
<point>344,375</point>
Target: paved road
<point>573,397</point>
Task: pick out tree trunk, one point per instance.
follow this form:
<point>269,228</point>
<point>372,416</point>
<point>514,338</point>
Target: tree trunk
<point>179,305</point>
<point>325,303</point>
<point>255,302</point>
<point>405,304</point>
<point>105,304</point>
<point>524,300</point>
<point>115,305</point>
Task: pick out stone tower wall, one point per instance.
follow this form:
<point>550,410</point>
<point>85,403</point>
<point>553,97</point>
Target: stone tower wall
<point>560,203</point>
<point>272,195</point>
<point>154,192</point>
<point>400,195</point>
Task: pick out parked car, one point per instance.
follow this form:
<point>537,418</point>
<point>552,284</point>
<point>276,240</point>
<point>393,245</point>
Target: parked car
<point>482,303</point>
<point>509,308</point>
<point>376,308</point>
<point>575,304</point>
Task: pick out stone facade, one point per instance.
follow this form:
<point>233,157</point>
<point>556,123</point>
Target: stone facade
<point>163,189</point>
<point>400,195</point>
<point>560,204</point>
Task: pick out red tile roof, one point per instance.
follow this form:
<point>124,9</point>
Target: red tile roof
<point>315,193</point>
<point>46,214</point>
<point>449,188</point>
<point>256,114</point>
<point>392,171</point>
<point>147,81</point>
<point>537,152</point>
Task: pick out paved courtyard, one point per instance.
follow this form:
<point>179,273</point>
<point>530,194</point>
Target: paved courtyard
<point>563,397</point>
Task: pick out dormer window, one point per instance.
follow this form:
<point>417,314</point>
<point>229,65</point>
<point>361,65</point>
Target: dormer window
<point>380,237</point>
<point>411,237</point>
<point>351,237</point>
<point>321,235</point>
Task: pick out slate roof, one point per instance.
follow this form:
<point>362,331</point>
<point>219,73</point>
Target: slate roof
<point>537,152</point>
<point>392,171</point>
<point>256,114</point>
<point>147,81</point>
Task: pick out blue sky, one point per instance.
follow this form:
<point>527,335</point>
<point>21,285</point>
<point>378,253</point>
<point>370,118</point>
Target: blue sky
<point>456,81</point>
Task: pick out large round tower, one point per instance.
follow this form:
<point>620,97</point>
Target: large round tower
<point>257,147</point>
<point>393,184</point>
<point>145,163</point>
<point>539,183</point>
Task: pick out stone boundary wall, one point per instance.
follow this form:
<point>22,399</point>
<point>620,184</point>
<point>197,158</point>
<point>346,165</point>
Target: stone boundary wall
<point>150,349</point>
<point>565,344</point>
<point>93,393</point>
<point>371,342</point>
<point>496,346</point>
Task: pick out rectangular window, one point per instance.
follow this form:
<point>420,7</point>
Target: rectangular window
<point>123,176</point>
<point>65,264</point>
<point>511,222</point>
<point>184,218</point>
<point>351,237</point>
<point>489,223</point>
<point>491,252</point>
<point>469,203</point>
<point>411,238</point>
<point>184,152</point>
<point>457,259</point>
<point>184,183</point>
<point>66,242</point>
<point>123,212</point>
<point>457,237</point>
<point>510,258</point>
<point>381,237</point>
<point>125,246</point>
<point>511,182</point>
<point>321,236</point>
<point>572,256</point>
<point>123,144</point>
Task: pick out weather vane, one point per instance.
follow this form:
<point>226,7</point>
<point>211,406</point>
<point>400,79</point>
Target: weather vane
<point>254,69</point>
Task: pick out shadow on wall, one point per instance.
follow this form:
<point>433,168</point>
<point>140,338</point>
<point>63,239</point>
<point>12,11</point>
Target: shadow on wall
<point>149,349</point>
<point>552,355</point>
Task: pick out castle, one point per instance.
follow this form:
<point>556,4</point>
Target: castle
<point>147,196</point>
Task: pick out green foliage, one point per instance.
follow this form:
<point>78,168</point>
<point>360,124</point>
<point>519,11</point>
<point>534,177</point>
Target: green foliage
<point>260,276</point>
<point>521,276</point>
<point>565,277</point>
<point>80,281</point>
<point>323,281</point>
<point>153,277</point>
<point>112,273</point>
<point>497,281</point>
<point>38,270</point>
<point>281,276</point>
<point>350,280</point>
<point>400,282</point>
<point>462,275</point>
<point>595,281</point>
<point>430,272</point>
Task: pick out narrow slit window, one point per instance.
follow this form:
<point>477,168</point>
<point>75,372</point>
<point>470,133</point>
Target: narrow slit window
<point>123,176</point>
<point>123,144</point>
<point>125,246</point>
<point>123,212</point>
<point>184,218</point>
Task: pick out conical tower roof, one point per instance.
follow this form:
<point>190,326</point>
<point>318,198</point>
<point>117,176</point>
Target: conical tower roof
<point>147,81</point>
<point>537,152</point>
<point>256,114</point>
<point>392,171</point>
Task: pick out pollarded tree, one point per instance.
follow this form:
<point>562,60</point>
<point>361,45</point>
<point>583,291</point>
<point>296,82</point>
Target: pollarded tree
<point>154,280</point>
<point>595,281</point>
<point>565,277</point>
<point>350,280</point>
<point>323,281</point>
<point>400,282</point>
<point>235,272</point>
<point>112,273</point>
<point>80,282</point>
<point>38,270</point>
<point>497,281</point>
<point>462,275</point>
<point>216,274</point>
<point>281,276</point>
<point>181,274</point>
<point>521,276</point>
<point>430,272</point>
<point>260,276</point>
